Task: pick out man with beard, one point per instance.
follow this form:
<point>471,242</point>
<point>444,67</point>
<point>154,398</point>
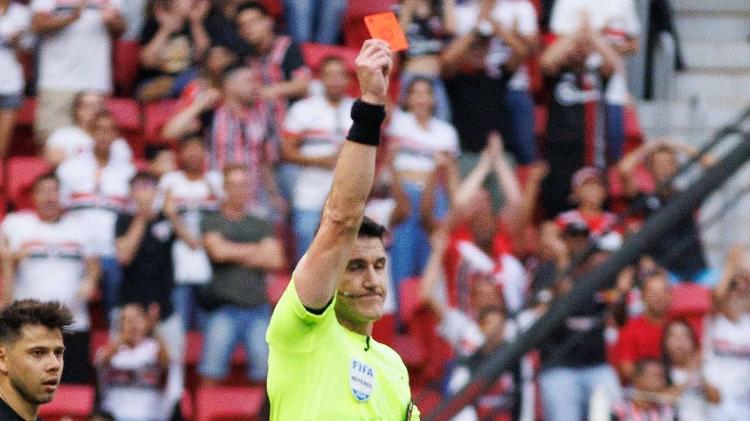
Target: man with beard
<point>31,356</point>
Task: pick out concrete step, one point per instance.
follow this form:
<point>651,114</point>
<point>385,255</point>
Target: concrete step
<point>680,113</point>
<point>730,56</point>
<point>714,87</point>
<point>709,27</point>
<point>710,6</point>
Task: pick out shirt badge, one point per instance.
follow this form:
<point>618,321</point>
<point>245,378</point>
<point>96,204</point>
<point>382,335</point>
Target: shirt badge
<point>361,380</point>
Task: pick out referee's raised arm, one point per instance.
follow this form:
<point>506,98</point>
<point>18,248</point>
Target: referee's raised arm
<point>317,274</point>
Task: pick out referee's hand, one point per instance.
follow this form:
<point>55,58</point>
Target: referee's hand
<point>374,64</point>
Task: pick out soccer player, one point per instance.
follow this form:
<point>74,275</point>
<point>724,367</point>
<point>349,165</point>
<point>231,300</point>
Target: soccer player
<point>31,356</point>
<point>323,364</point>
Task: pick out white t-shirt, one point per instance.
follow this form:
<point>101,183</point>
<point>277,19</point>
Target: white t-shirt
<point>727,366</point>
<point>79,56</point>
<point>94,196</point>
<point>191,266</point>
<point>131,382</point>
<point>692,405</point>
<point>17,19</point>
<point>55,265</point>
<point>618,20</point>
<point>323,129</point>
<point>417,145</point>
<point>508,13</point>
<point>74,141</point>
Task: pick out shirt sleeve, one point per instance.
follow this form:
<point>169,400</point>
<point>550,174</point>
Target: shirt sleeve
<point>294,327</point>
<point>294,64</point>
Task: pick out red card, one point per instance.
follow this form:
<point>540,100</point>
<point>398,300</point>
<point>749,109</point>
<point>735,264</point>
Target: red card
<point>385,26</point>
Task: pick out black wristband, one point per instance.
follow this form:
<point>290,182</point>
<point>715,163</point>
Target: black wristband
<point>367,121</point>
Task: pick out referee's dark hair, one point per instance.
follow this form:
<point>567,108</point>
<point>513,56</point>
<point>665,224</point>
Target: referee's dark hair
<point>50,314</point>
<point>370,229</point>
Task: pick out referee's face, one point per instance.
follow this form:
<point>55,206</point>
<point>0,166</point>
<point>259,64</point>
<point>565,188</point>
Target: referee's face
<point>362,287</point>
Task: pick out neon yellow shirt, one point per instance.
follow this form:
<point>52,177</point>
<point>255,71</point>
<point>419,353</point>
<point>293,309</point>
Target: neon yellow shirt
<point>319,370</point>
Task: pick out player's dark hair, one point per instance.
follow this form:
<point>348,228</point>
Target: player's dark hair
<point>29,312</point>
<point>370,229</point>
<point>49,175</point>
<point>253,5</point>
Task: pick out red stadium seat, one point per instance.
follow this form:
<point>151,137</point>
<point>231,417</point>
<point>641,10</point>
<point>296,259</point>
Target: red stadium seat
<point>125,58</point>
<point>127,113</point>
<point>315,53</point>
<point>426,399</point>
<point>22,142</point>
<point>409,299</point>
<point>22,172</point>
<point>156,115</point>
<point>692,302</point>
<point>275,8</point>
<point>187,406</point>
<point>276,286</point>
<point>74,401</point>
<point>228,403</point>
<point>411,350</point>
<point>193,348</point>
<point>355,31</point>
<point>633,131</point>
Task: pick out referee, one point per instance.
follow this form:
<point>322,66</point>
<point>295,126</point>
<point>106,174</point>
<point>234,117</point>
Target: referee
<point>323,364</point>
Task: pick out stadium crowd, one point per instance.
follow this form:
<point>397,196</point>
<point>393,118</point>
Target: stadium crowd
<point>512,165</point>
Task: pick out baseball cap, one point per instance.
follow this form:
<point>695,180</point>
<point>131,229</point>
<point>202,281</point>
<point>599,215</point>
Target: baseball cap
<point>585,174</point>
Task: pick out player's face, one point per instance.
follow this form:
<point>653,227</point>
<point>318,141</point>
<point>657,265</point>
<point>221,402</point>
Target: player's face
<point>364,281</point>
<point>34,363</point>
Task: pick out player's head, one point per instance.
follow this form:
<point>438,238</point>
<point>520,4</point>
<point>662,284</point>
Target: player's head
<point>46,196</point>
<point>650,375</point>
<point>85,105</point>
<point>133,323</point>
<point>236,185</point>
<point>334,76</point>
<point>31,349</point>
<point>254,23</point>
<point>192,153</point>
<point>363,285</point>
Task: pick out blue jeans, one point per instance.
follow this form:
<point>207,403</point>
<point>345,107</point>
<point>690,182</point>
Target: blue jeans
<point>566,390</point>
<point>184,300</point>
<point>305,224</point>
<point>411,247</point>
<point>111,284</point>
<point>442,102</point>
<point>226,327</point>
<point>314,20</point>
<point>522,141</point>
<point>615,132</point>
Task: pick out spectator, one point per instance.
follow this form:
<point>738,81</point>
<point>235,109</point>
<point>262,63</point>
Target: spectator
<point>618,23</point>
<point>486,54</point>
<point>75,54</point>
<point>160,159</point>
<point>680,249</point>
<point>15,21</point>
<point>577,69</point>
<point>314,131</point>
<point>589,193</point>
<point>173,40</point>
<point>480,239</point>
<point>278,61</point>
<point>209,75</point>
<point>417,138</point>
<point>46,245</point>
<point>222,27</point>
<point>132,368</point>
<point>243,250</point>
<point>314,20</point>
<point>727,341</point>
<point>94,189</point>
<point>427,30</point>
<point>235,130</point>
<point>641,337</point>
<point>649,400</point>
<point>67,142</point>
<point>573,358</point>
<point>194,190</point>
<point>682,357</point>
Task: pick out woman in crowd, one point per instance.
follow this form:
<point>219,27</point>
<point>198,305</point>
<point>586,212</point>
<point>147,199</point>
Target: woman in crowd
<point>14,21</point>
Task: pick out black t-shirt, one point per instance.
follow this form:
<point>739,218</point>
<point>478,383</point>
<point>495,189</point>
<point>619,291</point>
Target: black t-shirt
<point>293,61</point>
<point>149,278</point>
<point>223,32</point>
<point>426,36</point>
<point>680,249</point>
<point>177,55</point>
<point>579,341</point>
<point>8,414</point>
